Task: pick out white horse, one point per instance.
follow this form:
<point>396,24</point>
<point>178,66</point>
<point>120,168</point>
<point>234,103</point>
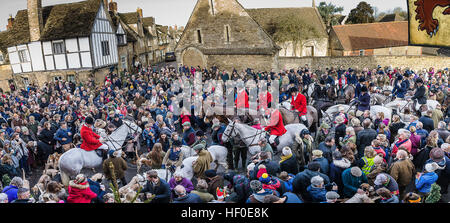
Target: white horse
<point>218,153</point>
<point>251,136</point>
<point>402,104</point>
<point>73,161</point>
<point>331,112</point>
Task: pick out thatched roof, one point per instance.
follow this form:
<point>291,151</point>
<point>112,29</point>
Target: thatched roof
<point>148,21</point>
<point>129,17</point>
<point>267,17</point>
<point>60,22</point>
<point>372,35</point>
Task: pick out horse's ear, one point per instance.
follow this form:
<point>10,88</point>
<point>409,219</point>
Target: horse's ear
<point>229,121</point>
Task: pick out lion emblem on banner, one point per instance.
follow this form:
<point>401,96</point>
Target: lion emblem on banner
<point>424,15</point>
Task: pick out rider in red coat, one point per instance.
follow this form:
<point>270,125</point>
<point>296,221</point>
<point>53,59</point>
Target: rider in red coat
<point>276,126</point>
<point>242,99</point>
<point>90,139</point>
<point>298,103</point>
<point>265,99</point>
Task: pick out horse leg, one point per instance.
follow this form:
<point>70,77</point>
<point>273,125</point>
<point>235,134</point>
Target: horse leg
<point>65,178</point>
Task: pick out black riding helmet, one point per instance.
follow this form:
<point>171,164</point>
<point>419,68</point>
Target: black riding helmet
<point>89,120</point>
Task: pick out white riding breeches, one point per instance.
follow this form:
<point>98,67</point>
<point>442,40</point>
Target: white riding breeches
<point>104,147</point>
<point>272,139</point>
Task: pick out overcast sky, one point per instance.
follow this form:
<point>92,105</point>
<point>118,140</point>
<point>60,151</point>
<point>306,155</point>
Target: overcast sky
<point>177,12</point>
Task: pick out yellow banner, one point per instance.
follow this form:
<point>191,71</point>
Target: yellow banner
<point>429,22</point>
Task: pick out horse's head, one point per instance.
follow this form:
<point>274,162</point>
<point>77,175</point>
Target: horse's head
<point>230,131</point>
<point>133,128</point>
<point>326,118</point>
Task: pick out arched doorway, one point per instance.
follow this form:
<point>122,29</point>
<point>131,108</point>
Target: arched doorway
<point>193,57</point>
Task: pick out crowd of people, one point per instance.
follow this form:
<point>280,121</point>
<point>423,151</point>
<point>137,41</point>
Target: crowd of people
<point>357,159</point>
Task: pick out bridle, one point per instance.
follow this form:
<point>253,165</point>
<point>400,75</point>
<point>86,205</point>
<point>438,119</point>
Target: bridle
<point>233,131</point>
<point>131,131</point>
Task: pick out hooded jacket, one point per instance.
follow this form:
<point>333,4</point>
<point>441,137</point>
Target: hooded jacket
<point>303,179</point>
<point>423,184</point>
<point>80,193</point>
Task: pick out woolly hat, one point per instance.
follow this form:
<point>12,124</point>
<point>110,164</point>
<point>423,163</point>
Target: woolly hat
<point>210,173</point>
<point>261,171</point>
<point>316,181</point>
<point>356,171</point>
<point>331,195</point>
<point>265,178</point>
<point>431,167</point>
<point>199,147</point>
<point>437,155</point>
<point>80,179</point>
<point>317,153</point>
<point>256,185</point>
<point>286,151</point>
<point>221,193</point>
<point>381,179</point>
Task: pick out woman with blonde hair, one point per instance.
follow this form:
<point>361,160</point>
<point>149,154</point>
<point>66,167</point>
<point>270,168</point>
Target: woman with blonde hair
<point>350,136</point>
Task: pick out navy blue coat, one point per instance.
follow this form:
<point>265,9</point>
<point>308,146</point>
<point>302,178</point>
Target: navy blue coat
<point>364,102</point>
<point>189,198</point>
<point>324,166</point>
<point>400,92</point>
<point>161,190</point>
<point>427,122</point>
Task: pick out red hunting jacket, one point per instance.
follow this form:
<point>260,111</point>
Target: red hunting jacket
<point>90,139</point>
<point>276,126</point>
<point>242,100</point>
<point>299,104</point>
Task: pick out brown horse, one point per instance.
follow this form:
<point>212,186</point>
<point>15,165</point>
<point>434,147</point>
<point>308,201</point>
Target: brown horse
<point>289,117</point>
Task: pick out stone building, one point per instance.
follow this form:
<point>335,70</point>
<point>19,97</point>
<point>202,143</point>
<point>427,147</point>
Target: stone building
<point>222,33</point>
<point>372,39</point>
<point>42,46</point>
<point>313,37</point>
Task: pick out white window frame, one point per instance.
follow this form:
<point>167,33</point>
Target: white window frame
<point>58,50</point>
<point>23,57</point>
<point>361,52</point>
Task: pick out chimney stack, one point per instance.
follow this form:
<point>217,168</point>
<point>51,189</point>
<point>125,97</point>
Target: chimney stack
<point>113,6</point>
<point>10,22</point>
<point>313,3</point>
<point>35,20</point>
<point>139,11</point>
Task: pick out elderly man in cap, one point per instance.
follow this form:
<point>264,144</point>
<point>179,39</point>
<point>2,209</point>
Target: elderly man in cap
<point>331,197</point>
<point>203,161</point>
<point>387,181</point>
<point>188,134</point>
<point>258,192</point>
<point>438,155</point>
<point>317,156</point>
<point>120,166</point>
<point>352,178</point>
<point>156,188</point>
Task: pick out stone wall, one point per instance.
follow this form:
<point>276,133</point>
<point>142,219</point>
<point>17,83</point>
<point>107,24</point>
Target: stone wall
<point>5,76</point>
<point>414,62</point>
<point>240,62</point>
<point>40,78</point>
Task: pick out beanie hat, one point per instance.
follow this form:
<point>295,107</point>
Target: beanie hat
<point>80,179</point>
<point>331,195</point>
<point>431,167</point>
<point>316,181</point>
<point>210,173</point>
<point>221,193</point>
<point>261,172</point>
<point>256,185</point>
<point>356,171</point>
<point>265,178</point>
<point>437,155</point>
